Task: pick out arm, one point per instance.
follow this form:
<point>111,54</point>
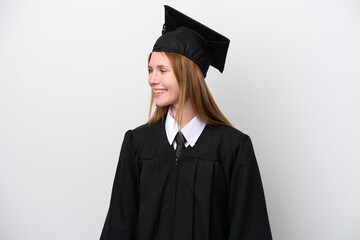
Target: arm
<point>121,219</point>
<point>248,217</point>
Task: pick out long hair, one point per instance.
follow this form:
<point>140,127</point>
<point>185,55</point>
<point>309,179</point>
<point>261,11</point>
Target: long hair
<point>192,87</point>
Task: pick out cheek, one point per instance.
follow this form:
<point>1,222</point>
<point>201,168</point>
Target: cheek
<point>178,92</point>
<point>175,92</point>
<point>177,88</point>
<point>175,85</point>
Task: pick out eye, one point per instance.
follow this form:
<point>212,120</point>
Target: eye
<point>150,70</point>
<point>162,70</point>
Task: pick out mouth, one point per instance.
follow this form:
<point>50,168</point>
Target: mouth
<point>158,92</point>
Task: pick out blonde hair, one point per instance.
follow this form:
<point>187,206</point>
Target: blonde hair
<point>192,87</point>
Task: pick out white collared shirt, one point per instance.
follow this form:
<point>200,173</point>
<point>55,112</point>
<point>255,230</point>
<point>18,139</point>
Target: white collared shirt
<point>191,131</point>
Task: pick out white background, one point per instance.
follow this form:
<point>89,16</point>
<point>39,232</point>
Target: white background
<point>73,79</point>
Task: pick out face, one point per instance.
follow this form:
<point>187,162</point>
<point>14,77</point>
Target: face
<point>162,80</point>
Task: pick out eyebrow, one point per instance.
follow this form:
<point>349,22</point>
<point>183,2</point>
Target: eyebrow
<point>160,66</point>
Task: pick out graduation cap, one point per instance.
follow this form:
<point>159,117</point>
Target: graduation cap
<point>184,35</point>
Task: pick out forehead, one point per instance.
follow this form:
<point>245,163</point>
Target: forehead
<point>159,58</point>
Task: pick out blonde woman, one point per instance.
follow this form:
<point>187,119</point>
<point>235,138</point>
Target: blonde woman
<point>187,174</point>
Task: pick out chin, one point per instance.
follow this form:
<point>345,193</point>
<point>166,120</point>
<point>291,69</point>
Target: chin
<point>164,103</point>
<point>161,104</point>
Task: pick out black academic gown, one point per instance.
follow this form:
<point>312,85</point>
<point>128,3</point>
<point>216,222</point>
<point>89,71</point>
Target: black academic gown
<point>213,191</point>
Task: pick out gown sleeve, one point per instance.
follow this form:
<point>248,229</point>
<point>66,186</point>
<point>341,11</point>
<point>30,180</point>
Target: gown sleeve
<point>121,218</point>
<point>248,218</point>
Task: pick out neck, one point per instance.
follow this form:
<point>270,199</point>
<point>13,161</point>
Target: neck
<point>187,115</point>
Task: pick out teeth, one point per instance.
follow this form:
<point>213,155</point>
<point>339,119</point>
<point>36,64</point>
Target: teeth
<point>159,91</point>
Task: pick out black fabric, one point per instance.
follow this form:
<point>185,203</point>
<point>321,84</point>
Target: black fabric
<point>184,35</point>
<point>213,192</point>
<point>180,144</point>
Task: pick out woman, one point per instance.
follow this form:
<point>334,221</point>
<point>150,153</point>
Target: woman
<point>187,173</point>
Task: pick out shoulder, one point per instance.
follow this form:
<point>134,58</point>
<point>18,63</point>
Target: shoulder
<point>226,131</point>
<point>227,137</point>
<point>147,129</point>
<point>145,133</point>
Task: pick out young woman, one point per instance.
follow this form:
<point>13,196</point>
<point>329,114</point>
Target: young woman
<point>186,174</point>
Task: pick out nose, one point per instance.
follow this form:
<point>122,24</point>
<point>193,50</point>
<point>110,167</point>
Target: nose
<point>153,79</point>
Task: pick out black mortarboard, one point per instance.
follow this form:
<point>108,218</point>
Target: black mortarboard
<point>182,34</point>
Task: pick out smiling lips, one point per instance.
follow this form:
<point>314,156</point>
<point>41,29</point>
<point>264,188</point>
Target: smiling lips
<point>158,92</point>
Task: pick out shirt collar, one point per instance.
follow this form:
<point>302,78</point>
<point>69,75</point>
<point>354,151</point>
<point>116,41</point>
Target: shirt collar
<point>191,131</point>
